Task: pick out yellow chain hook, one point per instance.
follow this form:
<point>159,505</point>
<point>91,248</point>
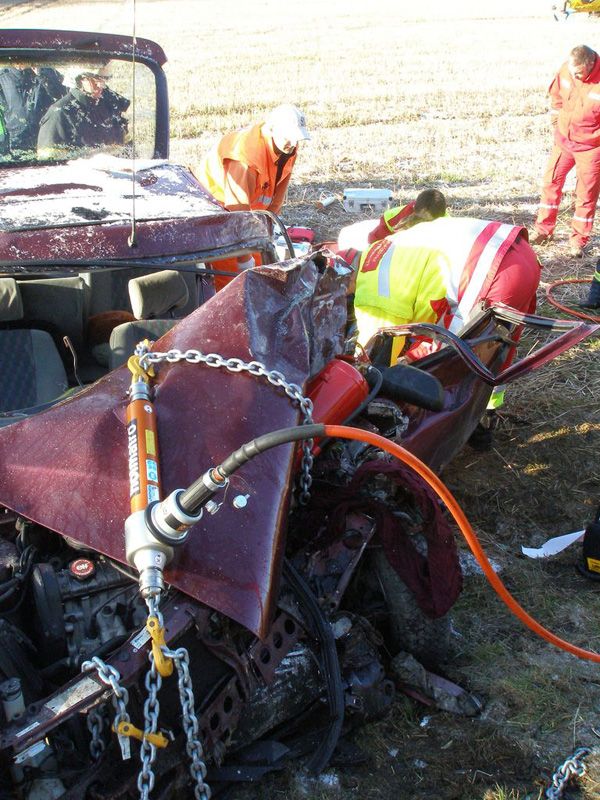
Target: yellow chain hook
<point>138,373</point>
<point>127,729</point>
<point>164,665</point>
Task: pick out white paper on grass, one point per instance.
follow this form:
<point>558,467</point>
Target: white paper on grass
<point>553,546</point>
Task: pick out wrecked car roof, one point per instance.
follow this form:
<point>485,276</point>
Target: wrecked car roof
<point>83,209</point>
<point>99,191</point>
<point>95,43</point>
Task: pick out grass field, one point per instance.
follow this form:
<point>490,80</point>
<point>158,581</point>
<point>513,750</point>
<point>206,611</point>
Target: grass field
<point>409,95</point>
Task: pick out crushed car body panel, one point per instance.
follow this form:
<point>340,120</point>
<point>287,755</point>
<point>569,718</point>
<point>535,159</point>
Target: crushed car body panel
<point>77,451</point>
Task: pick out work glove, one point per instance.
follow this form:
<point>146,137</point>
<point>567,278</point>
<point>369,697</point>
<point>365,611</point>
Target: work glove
<point>590,565</point>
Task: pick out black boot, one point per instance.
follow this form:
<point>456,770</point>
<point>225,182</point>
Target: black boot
<point>593,298</point>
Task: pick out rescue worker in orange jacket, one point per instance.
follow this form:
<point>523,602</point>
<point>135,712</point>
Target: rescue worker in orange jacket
<point>251,169</point>
<point>438,271</point>
<point>575,112</point>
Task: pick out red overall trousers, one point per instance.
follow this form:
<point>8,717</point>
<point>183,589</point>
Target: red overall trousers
<point>587,189</point>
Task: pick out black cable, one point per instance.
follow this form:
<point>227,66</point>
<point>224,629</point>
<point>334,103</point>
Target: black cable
<point>107,602</point>
<point>331,667</point>
<point>107,647</point>
<point>195,496</point>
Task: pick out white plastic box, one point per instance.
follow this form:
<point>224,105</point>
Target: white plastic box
<point>357,201</point>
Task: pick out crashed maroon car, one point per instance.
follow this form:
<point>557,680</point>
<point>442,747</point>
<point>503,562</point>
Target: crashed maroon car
<point>210,555</point>
<point>82,215</point>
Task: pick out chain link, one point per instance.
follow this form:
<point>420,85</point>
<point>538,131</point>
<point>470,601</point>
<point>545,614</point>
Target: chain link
<point>572,767</point>
<point>190,722</point>
<point>258,370</point>
<point>95,725</point>
<point>153,682</point>
<point>120,697</point>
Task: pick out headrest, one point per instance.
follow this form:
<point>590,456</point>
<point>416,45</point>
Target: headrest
<point>11,305</point>
<point>154,296</point>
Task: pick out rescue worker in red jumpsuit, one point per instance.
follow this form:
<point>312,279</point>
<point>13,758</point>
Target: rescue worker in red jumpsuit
<point>575,110</point>
<point>251,169</point>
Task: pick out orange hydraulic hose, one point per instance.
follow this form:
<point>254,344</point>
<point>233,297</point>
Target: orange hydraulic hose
<point>567,309</point>
<point>342,432</point>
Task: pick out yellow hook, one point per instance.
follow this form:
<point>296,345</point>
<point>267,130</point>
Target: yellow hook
<point>164,665</point>
<point>128,729</point>
<point>138,373</point>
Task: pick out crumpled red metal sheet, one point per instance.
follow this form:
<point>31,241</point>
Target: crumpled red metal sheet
<point>66,468</point>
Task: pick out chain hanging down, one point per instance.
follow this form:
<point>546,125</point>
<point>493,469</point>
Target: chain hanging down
<point>120,697</point>
<point>190,722</point>
<point>153,682</point>
<point>258,370</point>
<point>95,725</point>
<point>161,664</point>
<point>572,767</point>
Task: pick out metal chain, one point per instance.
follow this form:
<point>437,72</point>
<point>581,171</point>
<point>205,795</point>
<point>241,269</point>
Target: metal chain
<point>111,677</point>
<point>572,767</point>
<point>190,722</point>
<point>258,370</point>
<point>153,682</point>
<point>95,725</point>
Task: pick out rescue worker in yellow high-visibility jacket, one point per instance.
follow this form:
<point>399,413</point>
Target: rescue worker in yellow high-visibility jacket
<point>437,271</point>
<point>430,204</point>
<point>353,239</point>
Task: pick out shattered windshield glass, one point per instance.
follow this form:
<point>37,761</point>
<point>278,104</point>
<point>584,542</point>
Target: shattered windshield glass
<point>57,110</point>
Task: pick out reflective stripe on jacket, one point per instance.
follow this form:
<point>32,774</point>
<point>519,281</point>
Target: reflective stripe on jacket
<point>407,276</point>
<point>396,218</point>
<point>392,220</point>
<point>577,103</point>
<point>252,186</point>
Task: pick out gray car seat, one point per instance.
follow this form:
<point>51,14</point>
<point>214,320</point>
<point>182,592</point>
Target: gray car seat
<point>154,299</point>
<point>31,370</point>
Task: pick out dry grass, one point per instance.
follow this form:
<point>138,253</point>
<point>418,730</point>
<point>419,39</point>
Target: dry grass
<point>405,95</point>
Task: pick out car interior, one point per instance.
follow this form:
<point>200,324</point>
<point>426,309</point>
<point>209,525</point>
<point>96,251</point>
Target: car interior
<point>58,333</point>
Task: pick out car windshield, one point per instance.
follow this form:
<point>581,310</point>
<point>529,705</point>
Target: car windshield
<point>57,110</point>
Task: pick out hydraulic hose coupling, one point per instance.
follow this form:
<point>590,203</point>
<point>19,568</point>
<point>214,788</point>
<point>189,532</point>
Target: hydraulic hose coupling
<point>169,522</point>
<point>151,537</point>
<point>201,492</point>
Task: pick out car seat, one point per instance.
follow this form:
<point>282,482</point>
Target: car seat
<point>32,371</point>
<point>154,300</point>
